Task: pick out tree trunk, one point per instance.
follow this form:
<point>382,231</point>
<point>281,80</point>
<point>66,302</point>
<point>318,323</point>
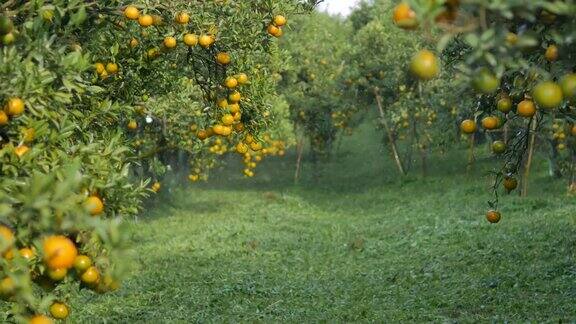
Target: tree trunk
<point>299,152</point>
<point>532,139</point>
<point>391,138</point>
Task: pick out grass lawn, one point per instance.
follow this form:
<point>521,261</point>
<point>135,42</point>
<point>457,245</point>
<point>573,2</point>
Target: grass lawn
<point>360,244</point>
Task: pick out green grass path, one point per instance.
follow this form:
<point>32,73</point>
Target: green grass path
<point>359,245</point>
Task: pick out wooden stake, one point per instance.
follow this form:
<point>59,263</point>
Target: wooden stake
<point>299,152</point>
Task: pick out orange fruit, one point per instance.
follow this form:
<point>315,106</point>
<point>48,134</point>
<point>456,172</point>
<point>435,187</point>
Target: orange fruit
<point>511,39</point>
<point>548,95</point>
<point>255,146</point>
<point>57,274</point>
<point>27,253</point>
<point>131,13</point>
<point>3,118</point>
<point>59,310</point>
<point>526,108</point>
<point>234,108</point>
<point>490,122</point>
<point>404,17</point>
<point>223,58</point>
<point>202,135</point>
<point>504,104</point>
<point>134,42</point>
<point>90,276</point>
<point>274,31</point>
<point>132,125</point>
<point>222,103</point>
<point>6,238</point>
<point>170,42</point>
<point>241,148</point>
<point>468,126</point>
<point>280,20</point>
<point>14,107</point>
<point>498,147</point>
<point>485,82</point>
<point>82,263</point>
<point>227,120</point>
<point>573,130</point>
<point>112,68</point>
<point>20,150</point>
<point>100,68</point>
<point>206,41</point>
<point>551,54</point>
<point>146,21</point>
<point>190,40</point>
<point>235,97</point>
<point>510,183</point>
<point>493,216</point>
<point>40,319</point>
<point>7,286</point>
<point>568,85</point>
<point>242,78</point>
<point>94,205</point>
<point>59,252</point>
<point>182,18</point>
<point>231,82</point>
<point>424,65</point>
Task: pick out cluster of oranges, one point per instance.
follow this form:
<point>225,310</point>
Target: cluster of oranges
<point>13,108</point>
<point>254,152</point>
<point>275,26</point>
<point>107,70</point>
<point>59,256</point>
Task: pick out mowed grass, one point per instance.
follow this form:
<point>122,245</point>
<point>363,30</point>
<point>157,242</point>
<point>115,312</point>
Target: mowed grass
<point>358,244</point>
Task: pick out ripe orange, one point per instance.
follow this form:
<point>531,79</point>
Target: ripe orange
<point>134,42</point>
<point>568,85</point>
<point>231,82</point>
<point>222,103</point>
<point>468,126</point>
<point>274,31</point>
<point>59,252</point>
<point>235,97</point>
<point>551,53</point>
<point>57,274</point>
<point>573,130</point>
<point>132,125</point>
<point>193,177</point>
<point>7,286</point>
<point>510,183</point>
<point>20,150</point>
<point>94,205</point>
<point>234,108</point>
<point>206,40</point>
<point>504,104</point>
<point>280,20</point>
<point>3,118</point>
<point>6,238</point>
<point>548,95</point>
<point>255,146</point>
<point>223,58</point>
<point>404,17</point>
<point>59,310</point>
<point>202,135</point>
<point>14,107</point>
<point>190,40</point>
<point>493,216</point>
<point>490,122</point>
<point>27,253</point>
<point>526,108</point>
<point>227,120</point>
<point>131,13</point>
<point>156,186</point>
<point>182,18</point>
<point>484,81</point>
<point>242,78</point>
<point>226,131</point>
<point>498,147</point>
<point>40,319</point>
<point>100,68</point>
<point>112,68</point>
<point>146,21</point>
<point>170,42</point>
<point>424,65</point>
<point>90,276</point>
<point>242,148</point>
<point>82,263</point>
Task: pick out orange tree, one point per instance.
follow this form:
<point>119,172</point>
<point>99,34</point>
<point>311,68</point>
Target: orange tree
<point>517,59</point>
<point>309,81</point>
<point>98,97</point>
